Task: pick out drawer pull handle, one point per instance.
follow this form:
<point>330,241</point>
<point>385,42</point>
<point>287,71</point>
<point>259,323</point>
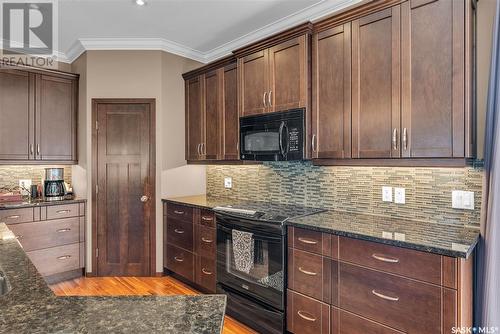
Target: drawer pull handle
<point>178,259</point>
<point>307,241</point>
<point>385,259</point>
<point>310,273</point>
<point>206,272</point>
<point>64,257</point>
<point>62,230</point>
<point>306,316</point>
<point>179,231</point>
<point>381,295</point>
<point>13,217</point>
<point>208,241</point>
<point>178,212</point>
<point>63,211</point>
<point>207,219</point>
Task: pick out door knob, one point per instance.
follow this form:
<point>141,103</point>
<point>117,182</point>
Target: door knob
<point>144,198</point>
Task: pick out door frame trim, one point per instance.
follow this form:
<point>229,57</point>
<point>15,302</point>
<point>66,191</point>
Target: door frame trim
<point>152,171</point>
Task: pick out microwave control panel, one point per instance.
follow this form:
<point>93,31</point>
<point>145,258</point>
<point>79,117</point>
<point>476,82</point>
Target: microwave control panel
<point>294,140</point>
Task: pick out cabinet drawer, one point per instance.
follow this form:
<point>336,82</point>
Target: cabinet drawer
<point>180,234</point>
<point>184,213</point>
<point>14,216</point>
<point>180,262</point>
<point>206,241</point>
<point>349,323</point>
<point>62,211</point>
<point>306,315</point>
<point>415,264</point>
<point>207,218</point>
<point>205,273</point>
<point>312,241</point>
<point>45,234</point>
<point>311,275</point>
<point>401,303</point>
<point>56,259</point>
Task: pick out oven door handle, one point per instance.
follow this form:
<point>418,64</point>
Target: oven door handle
<point>264,236</point>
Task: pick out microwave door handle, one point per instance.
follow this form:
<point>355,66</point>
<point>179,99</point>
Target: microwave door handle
<point>282,126</point>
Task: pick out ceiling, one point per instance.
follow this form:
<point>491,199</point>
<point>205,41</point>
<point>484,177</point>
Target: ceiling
<point>197,29</point>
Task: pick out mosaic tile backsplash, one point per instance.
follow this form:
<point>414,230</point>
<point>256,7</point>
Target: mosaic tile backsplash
<point>10,175</point>
<point>356,189</point>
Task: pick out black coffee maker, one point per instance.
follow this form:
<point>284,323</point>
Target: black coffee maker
<point>54,188</point>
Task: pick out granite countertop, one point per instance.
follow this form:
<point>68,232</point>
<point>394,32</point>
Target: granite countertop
<point>445,238</point>
<point>38,202</point>
<point>31,307</point>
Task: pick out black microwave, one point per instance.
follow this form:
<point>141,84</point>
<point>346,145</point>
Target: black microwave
<point>278,136</point>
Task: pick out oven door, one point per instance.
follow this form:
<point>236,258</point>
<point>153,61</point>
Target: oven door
<point>263,278</point>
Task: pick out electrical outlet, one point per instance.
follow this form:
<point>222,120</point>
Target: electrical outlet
<point>462,200</point>
<point>387,194</point>
<point>25,186</point>
<point>228,182</point>
<point>399,195</point>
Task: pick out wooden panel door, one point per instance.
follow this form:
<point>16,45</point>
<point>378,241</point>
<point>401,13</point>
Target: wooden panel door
<point>230,118</point>
<point>211,136</point>
<point>376,84</point>
<point>288,64</point>
<point>55,118</point>
<point>331,125</point>
<point>16,115</point>
<point>125,180</point>
<point>433,79</point>
<point>254,83</point>
<point>194,118</point>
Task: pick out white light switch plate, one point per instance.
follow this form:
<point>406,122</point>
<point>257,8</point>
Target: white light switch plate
<point>228,182</point>
<point>399,196</point>
<point>462,200</point>
<point>387,194</point>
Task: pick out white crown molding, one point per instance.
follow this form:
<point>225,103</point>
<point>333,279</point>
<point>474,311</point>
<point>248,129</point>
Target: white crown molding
<point>57,55</point>
<point>311,13</point>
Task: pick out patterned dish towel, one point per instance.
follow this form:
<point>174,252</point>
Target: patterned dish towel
<point>243,248</point>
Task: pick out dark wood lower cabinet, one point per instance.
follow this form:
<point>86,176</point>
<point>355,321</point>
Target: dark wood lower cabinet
<point>306,315</point>
<point>344,322</point>
<point>205,273</point>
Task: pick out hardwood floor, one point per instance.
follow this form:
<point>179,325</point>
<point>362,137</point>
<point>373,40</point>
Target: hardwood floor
<point>119,286</point>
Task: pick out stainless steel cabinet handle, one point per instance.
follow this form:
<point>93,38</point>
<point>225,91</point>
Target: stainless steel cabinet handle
<point>203,149</point>
<point>306,316</point>
<point>264,99</point>
<point>178,259</point>
<point>207,219</point>
<point>179,231</point>
<point>385,258</point>
<point>37,149</point>
<point>313,143</point>
<point>178,212</point>
<point>405,139</point>
<point>208,241</point>
<point>198,149</point>
<point>270,99</point>
<point>381,295</point>
<point>13,217</point>
<point>310,273</point>
<point>144,198</point>
<point>307,241</point>
<point>62,211</point>
<point>206,272</point>
<point>64,257</point>
<point>395,139</point>
<point>32,151</point>
<point>62,230</point>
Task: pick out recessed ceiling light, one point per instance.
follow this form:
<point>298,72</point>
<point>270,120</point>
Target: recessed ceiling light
<point>140,2</point>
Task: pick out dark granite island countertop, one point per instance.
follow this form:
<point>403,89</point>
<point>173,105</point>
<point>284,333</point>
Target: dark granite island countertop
<point>444,238</point>
<point>31,307</point>
<point>37,203</point>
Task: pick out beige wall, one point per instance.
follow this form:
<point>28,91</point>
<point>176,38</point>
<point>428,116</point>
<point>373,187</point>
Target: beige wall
<point>140,74</point>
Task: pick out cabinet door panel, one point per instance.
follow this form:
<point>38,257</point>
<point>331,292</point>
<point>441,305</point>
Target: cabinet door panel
<point>332,93</point>
<point>194,118</point>
<point>230,120</point>
<point>254,83</point>
<point>288,75</point>
<point>16,115</point>
<point>433,79</point>
<point>376,84</point>
<point>55,118</point>
<point>210,148</point>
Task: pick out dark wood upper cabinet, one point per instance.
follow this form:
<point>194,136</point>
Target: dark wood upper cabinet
<point>254,83</point>
<point>16,115</point>
<point>331,116</point>
<point>230,117</point>
<point>212,105</point>
<point>55,118</point>
<point>38,116</point>
<point>433,72</point>
<point>376,84</point>
<point>194,118</point>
